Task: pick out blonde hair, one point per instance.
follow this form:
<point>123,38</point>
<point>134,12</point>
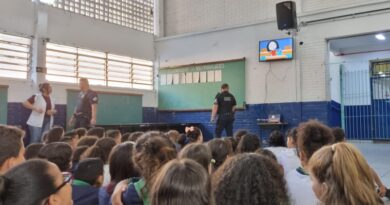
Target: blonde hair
<point>346,173</point>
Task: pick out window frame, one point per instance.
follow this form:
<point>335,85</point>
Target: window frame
<point>140,72</point>
<point>24,42</point>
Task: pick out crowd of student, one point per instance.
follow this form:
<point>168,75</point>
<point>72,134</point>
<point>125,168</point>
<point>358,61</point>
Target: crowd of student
<point>312,165</point>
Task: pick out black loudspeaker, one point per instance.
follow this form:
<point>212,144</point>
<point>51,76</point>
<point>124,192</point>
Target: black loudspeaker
<point>286,15</point>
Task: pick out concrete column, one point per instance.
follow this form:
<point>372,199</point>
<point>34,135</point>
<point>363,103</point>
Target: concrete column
<point>38,71</point>
<point>159,18</point>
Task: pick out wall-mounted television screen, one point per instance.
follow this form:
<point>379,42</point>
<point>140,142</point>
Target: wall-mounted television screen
<point>278,49</point>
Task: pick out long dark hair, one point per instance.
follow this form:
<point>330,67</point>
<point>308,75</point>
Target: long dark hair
<point>121,165</point>
<point>27,184</point>
<point>182,182</point>
<point>249,179</point>
<point>219,152</point>
<point>152,151</point>
<point>248,143</point>
<point>198,152</point>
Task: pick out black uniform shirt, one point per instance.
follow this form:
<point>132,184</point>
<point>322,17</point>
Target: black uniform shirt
<point>225,102</point>
<point>85,102</point>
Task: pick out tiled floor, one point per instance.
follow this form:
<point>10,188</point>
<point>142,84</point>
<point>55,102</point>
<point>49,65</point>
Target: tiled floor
<point>378,156</point>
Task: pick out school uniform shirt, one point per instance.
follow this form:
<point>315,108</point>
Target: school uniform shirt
<point>104,196</point>
<point>134,195</point>
<point>289,159</point>
<point>300,188</point>
<point>84,194</point>
<point>276,150</point>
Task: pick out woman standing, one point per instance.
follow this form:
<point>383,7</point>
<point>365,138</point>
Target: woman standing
<point>41,118</point>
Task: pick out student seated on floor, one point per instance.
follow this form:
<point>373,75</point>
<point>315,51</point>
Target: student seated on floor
<point>99,132</point>
<point>121,167</point>
<point>151,152</point>
<point>81,132</point>
<point>115,135</point>
<point>248,143</point>
<point>60,153</point>
<point>339,135</point>
<point>200,153</point>
<point>288,157</point>
<point>102,150</point>
<point>72,138</point>
<point>341,175</point>
<point>276,142</point>
<point>11,147</point>
<point>88,178</point>
<point>312,135</point>
<point>32,151</point>
<point>54,135</point>
<point>35,182</point>
<point>219,152</point>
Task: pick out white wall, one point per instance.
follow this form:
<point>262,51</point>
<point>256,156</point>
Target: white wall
<point>304,79</point>
<point>356,77</point>
<point>17,16</point>
<point>188,16</point>
<point>26,18</point>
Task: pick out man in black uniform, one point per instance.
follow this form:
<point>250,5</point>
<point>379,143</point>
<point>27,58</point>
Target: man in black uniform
<point>224,107</point>
<point>85,111</point>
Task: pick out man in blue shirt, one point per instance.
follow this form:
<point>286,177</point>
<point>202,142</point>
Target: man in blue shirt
<point>85,111</point>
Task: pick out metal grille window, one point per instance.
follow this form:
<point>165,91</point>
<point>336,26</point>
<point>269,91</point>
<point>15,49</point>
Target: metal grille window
<point>14,56</point>
<point>136,14</point>
<point>381,69</point>
<point>68,64</point>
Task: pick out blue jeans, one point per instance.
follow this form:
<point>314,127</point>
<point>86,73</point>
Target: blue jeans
<point>37,132</point>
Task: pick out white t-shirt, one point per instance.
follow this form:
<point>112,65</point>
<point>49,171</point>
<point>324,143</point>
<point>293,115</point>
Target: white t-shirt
<point>107,176</point>
<point>276,150</point>
<point>289,159</point>
<point>300,189</point>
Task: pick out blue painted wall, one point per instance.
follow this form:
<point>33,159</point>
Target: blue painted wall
<point>292,113</point>
<point>18,115</point>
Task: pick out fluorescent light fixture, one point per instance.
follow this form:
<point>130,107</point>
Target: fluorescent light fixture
<point>380,37</point>
<point>50,2</point>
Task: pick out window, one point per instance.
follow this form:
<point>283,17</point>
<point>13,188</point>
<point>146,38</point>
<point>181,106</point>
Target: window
<point>14,56</point>
<point>68,64</point>
<point>380,68</point>
<point>136,14</point>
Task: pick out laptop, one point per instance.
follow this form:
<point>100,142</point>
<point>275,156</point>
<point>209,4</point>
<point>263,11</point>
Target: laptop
<point>274,118</point>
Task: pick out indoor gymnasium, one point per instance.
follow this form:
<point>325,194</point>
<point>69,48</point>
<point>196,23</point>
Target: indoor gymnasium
<point>194,102</point>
